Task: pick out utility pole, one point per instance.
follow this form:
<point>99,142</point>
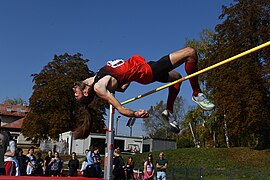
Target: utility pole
<point>193,136</point>
<point>226,132</point>
<point>116,128</point>
<point>130,123</point>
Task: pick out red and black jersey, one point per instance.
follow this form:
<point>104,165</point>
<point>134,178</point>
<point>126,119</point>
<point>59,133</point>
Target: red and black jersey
<point>134,69</point>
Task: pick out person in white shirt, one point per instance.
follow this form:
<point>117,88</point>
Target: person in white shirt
<point>32,163</point>
<point>11,163</point>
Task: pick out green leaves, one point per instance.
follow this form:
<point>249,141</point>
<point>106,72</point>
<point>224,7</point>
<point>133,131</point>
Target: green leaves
<point>155,127</point>
<point>238,87</point>
<point>53,108</point>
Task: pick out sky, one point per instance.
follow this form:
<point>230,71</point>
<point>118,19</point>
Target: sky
<point>32,32</point>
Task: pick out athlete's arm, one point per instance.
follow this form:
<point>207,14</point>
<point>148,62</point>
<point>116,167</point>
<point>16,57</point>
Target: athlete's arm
<point>102,92</point>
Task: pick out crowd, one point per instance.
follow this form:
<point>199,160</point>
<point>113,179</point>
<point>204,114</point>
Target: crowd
<point>122,171</point>
<point>14,162</point>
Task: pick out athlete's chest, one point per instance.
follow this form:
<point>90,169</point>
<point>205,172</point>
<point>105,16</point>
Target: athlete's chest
<point>108,82</point>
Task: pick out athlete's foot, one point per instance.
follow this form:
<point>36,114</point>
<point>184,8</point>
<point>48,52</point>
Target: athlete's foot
<point>203,102</point>
<point>168,119</point>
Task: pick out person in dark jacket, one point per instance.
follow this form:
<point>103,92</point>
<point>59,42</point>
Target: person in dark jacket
<point>40,164</point>
<point>118,166</point>
<point>73,165</point>
<point>22,160</point>
<point>48,159</point>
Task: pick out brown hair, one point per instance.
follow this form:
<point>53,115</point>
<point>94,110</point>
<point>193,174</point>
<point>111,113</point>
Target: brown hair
<point>85,128</point>
<point>91,117</point>
<point>31,147</point>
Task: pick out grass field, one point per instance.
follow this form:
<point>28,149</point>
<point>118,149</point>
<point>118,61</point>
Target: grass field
<point>216,162</point>
<point>212,163</point>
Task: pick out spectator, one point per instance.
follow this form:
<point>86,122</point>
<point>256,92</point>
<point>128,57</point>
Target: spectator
<point>130,168</point>
<point>40,165</point>
<point>11,163</point>
<point>48,159</point>
<point>73,165</point>
<point>84,164</point>
<point>22,160</point>
<point>56,165</point>
<point>161,165</point>
<point>91,148</point>
<point>97,162</point>
<point>148,168</point>
<point>90,169</point>
<point>118,166</point>
<point>3,148</point>
<point>32,162</point>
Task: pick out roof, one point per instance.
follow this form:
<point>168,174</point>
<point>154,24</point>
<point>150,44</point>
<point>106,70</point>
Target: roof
<point>13,110</point>
<point>14,125</point>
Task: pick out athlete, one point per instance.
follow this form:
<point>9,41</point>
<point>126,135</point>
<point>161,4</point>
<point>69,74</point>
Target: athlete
<point>116,75</point>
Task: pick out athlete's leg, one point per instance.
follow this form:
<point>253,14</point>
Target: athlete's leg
<point>173,90</point>
<point>163,72</point>
<point>189,57</point>
<point>183,55</point>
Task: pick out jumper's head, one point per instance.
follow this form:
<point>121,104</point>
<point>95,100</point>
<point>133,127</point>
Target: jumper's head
<point>82,92</point>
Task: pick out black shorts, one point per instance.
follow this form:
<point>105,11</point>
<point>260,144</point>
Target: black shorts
<point>161,69</point>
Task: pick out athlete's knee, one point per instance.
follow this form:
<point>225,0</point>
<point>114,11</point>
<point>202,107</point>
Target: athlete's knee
<point>192,53</point>
<point>178,76</point>
<point>173,75</point>
<point>179,57</point>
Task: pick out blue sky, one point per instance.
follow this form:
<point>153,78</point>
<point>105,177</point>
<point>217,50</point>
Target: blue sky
<point>32,31</point>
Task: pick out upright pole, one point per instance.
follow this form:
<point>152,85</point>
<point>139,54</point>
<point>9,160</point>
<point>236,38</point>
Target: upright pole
<point>110,146</point>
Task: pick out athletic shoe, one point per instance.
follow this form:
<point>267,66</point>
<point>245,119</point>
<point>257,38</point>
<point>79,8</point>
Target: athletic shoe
<point>203,102</point>
<point>168,119</point>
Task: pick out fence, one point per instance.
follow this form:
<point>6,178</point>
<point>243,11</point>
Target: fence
<point>58,146</point>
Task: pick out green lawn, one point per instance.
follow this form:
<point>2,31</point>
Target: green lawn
<point>216,162</point>
<point>213,163</point>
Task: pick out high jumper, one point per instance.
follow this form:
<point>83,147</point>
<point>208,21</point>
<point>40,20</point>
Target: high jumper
<point>117,74</point>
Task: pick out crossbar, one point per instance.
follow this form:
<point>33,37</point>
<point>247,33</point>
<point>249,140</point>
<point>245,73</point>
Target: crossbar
<point>199,72</point>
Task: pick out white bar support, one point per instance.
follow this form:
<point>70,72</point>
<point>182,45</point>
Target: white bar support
<point>108,163</point>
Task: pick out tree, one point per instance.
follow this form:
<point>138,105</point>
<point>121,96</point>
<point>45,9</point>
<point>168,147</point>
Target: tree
<point>15,101</point>
<point>201,122</point>
<point>155,127</point>
<point>240,88</point>
<point>53,108</point>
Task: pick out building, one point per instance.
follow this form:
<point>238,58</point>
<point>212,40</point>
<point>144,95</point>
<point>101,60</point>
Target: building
<point>127,144</point>
<point>156,144</point>
<point>11,118</point>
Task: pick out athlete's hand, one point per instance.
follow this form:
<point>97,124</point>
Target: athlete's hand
<point>141,114</point>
